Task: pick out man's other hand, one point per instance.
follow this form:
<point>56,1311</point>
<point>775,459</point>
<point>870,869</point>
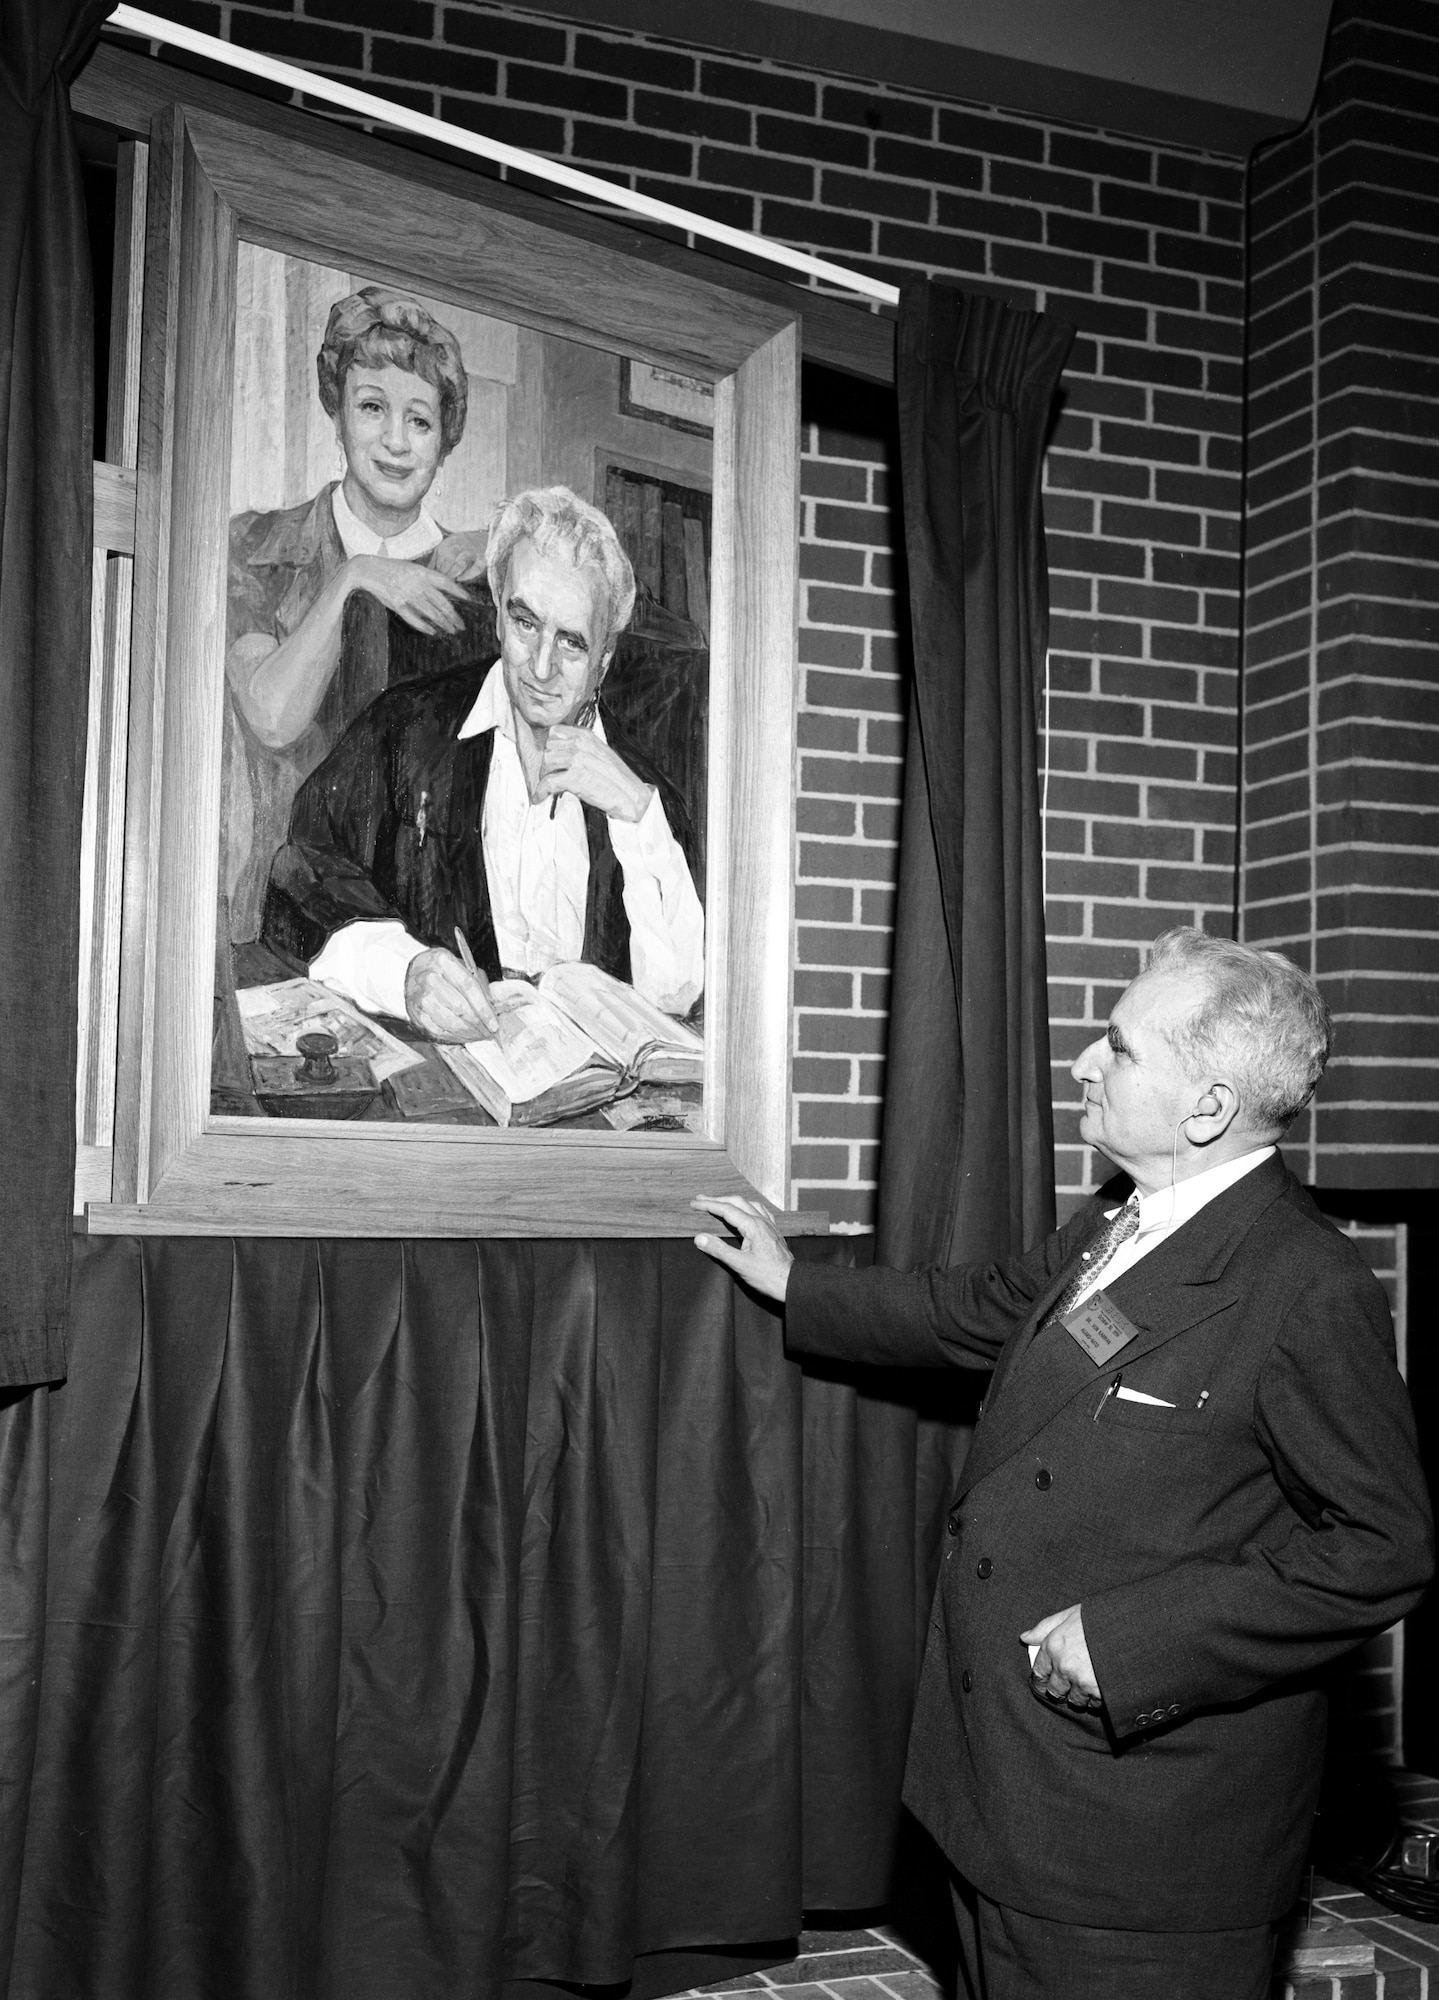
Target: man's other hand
<point>575,760</point>
<point>762,1258</point>
<point>1061,1669</point>
<point>446,1002</point>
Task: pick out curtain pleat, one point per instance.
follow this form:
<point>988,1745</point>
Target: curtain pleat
<point>422,1617</point>
<point>968,1156</point>
<point>24,1497</point>
<point>46,424</point>
<point>966,1164</point>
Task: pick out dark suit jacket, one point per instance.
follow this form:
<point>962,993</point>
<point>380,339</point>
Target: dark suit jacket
<point>1222,1550</point>
<point>389,826</point>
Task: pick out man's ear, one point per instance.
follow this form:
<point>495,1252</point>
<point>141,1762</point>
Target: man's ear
<point>1215,1109</point>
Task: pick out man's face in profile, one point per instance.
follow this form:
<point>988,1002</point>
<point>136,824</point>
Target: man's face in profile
<point>553,624</point>
<point>1135,1088</point>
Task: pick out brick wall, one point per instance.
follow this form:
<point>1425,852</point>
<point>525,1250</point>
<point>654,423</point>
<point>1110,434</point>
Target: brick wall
<point>1141,248</point>
<point>1341,765</point>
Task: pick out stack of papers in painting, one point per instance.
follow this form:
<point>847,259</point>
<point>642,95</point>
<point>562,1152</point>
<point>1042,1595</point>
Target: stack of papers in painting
<point>274,1017</point>
<point>575,1041</point>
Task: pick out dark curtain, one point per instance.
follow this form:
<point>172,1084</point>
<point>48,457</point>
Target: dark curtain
<point>46,402</point>
<point>968,1155</point>
<point>419,1618</point>
<point>966,1165</point>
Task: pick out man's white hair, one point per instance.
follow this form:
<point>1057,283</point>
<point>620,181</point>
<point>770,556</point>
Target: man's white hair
<point>1262,1019</point>
<point>552,517</point>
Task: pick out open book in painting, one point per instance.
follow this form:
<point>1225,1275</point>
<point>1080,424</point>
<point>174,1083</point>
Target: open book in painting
<point>576,1040</point>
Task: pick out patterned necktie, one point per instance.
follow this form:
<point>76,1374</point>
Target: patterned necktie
<point>1121,1226</point>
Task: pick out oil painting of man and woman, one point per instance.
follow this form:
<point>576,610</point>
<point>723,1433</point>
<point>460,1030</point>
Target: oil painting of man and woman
<point>467,685</point>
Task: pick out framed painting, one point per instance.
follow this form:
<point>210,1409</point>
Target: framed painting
<point>665,396</point>
<point>458,800</point>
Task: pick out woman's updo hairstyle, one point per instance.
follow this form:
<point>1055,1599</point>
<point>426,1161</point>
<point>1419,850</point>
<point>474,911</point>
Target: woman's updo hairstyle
<point>378,328</point>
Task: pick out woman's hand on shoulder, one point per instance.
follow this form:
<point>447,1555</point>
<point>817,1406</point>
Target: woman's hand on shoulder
<point>422,596</point>
<point>462,555</point>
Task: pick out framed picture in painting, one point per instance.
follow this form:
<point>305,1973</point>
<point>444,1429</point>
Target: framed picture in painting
<point>667,396</point>
<point>458,803</point>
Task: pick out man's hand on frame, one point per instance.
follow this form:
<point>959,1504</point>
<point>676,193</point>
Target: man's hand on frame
<point>762,1257</point>
<point>1061,1669</point>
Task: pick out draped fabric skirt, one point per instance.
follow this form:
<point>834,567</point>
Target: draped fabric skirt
<point>387,1618</point>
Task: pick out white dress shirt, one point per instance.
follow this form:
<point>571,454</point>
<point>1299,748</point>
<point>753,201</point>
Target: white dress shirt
<point>422,535</point>
<point>1161,1213</point>
<point>537,866</point>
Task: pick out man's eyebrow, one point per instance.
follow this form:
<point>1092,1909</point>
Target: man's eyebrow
<point>1115,1037</point>
<point>517,607</point>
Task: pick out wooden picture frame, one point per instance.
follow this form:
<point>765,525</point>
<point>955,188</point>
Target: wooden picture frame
<point>177,1168</point>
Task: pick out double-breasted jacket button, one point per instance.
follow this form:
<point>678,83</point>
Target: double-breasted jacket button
<point>984,1569</point>
<point>1174,1708</point>
<point>1044,1479</point>
<point>966,1680</point>
<point>954,1520</point>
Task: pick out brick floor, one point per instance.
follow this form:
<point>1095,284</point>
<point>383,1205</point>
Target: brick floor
<point>1406,1952</point>
<point>848,1963</point>
<point>842,1964</point>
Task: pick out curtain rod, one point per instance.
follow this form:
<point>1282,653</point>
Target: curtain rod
<point>135,21</point>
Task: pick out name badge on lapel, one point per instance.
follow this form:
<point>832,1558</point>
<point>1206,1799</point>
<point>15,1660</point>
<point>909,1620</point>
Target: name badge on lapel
<point>1100,1327</point>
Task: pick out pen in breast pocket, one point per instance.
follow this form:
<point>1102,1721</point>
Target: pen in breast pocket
<point>1203,1399</point>
<point>1108,1393</point>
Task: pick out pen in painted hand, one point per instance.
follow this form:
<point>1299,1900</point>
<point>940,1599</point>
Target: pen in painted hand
<point>467,960</point>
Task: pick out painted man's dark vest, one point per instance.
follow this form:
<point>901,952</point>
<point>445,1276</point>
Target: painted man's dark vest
<point>389,826</point>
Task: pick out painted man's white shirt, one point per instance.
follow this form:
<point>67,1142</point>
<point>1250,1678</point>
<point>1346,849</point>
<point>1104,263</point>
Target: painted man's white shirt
<point>1168,1209</point>
<point>537,865</point>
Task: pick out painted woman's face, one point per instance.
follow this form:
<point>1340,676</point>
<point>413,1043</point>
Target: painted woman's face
<point>389,429</point>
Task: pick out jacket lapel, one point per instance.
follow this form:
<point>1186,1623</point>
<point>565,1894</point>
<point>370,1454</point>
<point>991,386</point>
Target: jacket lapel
<point>1175,1287</point>
<point>1022,1339</point>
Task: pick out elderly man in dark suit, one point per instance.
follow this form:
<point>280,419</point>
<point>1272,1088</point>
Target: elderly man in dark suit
<point>1194,1481</point>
